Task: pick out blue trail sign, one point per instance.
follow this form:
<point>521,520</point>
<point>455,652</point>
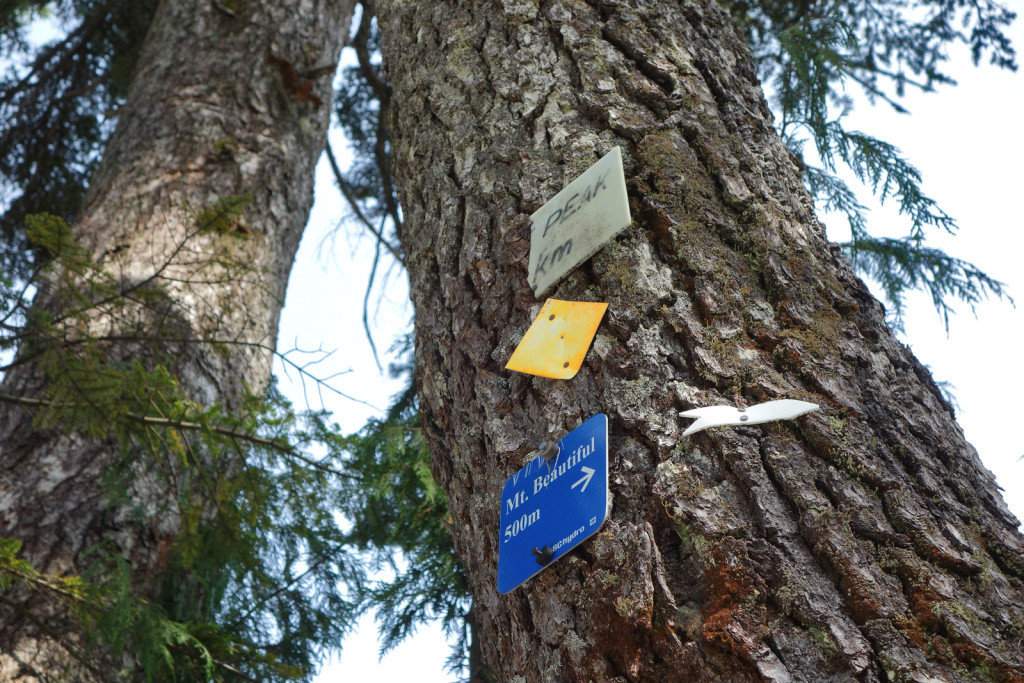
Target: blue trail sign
<point>551,506</point>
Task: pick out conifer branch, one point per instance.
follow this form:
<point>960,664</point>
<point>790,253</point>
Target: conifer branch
<point>346,191</point>
<point>283,357</point>
<point>185,425</point>
<point>160,422</point>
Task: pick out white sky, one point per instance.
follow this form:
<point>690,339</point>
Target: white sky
<point>968,143</point>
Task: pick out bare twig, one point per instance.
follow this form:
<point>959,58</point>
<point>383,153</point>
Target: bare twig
<point>346,191</point>
<point>302,369</point>
<point>279,590</point>
<point>383,92</point>
<point>366,303</point>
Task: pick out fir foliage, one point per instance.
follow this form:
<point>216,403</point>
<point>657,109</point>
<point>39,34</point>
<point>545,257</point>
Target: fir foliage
<point>399,516</point>
<point>285,524</point>
<point>261,578</point>
<point>899,265</point>
<point>809,54</point>
<point>58,104</point>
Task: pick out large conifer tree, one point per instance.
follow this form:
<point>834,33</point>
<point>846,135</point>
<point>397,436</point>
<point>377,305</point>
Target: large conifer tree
<point>864,541</point>
<point>160,303</point>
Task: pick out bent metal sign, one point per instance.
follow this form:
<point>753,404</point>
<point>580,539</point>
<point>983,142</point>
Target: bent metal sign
<point>576,222</point>
<point>551,506</point>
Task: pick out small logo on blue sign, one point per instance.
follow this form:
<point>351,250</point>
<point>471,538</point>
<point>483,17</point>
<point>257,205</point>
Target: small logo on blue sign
<point>550,507</point>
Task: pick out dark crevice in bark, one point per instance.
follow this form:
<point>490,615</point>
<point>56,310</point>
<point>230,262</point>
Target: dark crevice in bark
<point>529,122</point>
<point>816,445</point>
<point>827,492</point>
<point>560,47</point>
<point>773,646</point>
<point>614,33</point>
<point>714,86</point>
<point>594,114</point>
<point>792,510</point>
<point>925,376</point>
<point>604,9</point>
<point>1005,558</point>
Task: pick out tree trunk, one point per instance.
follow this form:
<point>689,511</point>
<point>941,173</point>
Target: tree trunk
<point>223,126</point>
<point>864,541</point>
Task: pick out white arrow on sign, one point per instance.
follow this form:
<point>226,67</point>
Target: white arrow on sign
<point>588,474</point>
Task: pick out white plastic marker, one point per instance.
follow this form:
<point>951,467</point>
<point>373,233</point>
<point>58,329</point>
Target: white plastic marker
<point>719,416</point>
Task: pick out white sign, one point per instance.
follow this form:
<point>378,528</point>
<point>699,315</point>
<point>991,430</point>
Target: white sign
<point>719,416</point>
<point>577,221</point>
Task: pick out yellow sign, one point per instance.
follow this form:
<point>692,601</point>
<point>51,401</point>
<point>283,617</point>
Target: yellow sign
<point>558,339</point>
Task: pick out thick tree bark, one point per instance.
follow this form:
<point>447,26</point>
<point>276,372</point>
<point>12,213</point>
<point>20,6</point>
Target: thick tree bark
<point>223,105</point>
<point>865,541</point>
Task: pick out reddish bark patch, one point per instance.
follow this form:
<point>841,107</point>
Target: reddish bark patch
<point>732,616</point>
